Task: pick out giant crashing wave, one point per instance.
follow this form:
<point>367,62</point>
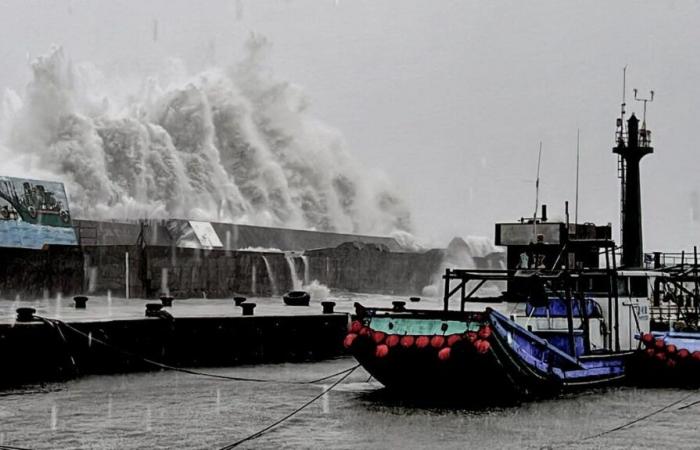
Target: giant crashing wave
<point>225,145</point>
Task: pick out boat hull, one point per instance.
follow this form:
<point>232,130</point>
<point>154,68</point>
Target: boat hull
<point>503,363</point>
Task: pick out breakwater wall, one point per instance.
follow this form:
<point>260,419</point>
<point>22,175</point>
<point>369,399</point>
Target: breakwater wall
<point>38,352</point>
<point>143,260</point>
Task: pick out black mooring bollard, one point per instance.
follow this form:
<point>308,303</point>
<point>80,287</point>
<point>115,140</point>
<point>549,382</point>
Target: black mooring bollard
<point>414,299</point>
<point>328,307</point>
<point>399,306</point>
<point>239,300</point>
<point>248,308</point>
<point>25,314</point>
<point>166,300</point>
<point>80,301</point>
<point>152,309</point>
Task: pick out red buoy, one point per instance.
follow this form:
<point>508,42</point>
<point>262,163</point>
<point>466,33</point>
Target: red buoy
<point>392,340</point>
<point>365,332</point>
<point>378,337</point>
<point>485,332</point>
<point>482,346</point>
<point>659,344</point>
<point>683,353</point>
<point>422,341</point>
<point>670,349</point>
<point>407,341</point>
<point>355,326</point>
<point>471,336</point>
<point>349,339</point>
<point>437,341</point>
<point>444,354</point>
<point>381,351</point>
<point>660,356</point>
<point>453,339</point>
<point>648,339</point>
<point>649,352</point>
<point>696,355</point>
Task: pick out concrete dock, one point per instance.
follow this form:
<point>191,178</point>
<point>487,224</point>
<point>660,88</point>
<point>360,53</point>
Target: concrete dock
<point>193,333</point>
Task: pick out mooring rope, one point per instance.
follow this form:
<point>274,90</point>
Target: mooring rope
<point>631,422</point>
<point>259,433</point>
<point>10,447</point>
<point>54,322</point>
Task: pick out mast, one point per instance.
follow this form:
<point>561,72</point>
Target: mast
<point>577,170</point>
<point>537,193</point>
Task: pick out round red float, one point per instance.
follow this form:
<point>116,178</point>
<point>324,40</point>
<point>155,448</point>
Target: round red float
<point>471,336</point>
<point>696,355</point>
<point>355,326</point>
<point>422,341</point>
<point>660,356</point>
<point>482,346</point>
<point>378,337</point>
<point>407,341</point>
<point>381,351</point>
<point>670,349</point>
<point>349,339</point>
<point>683,353</point>
<point>365,332</point>
<point>453,339</point>
<point>649,352</point>
<point>485,332</point>
<point>659,344</point>
<point>437,341</point>
<point>444,354</point>
<point>648,339</point>
<point>392,340</point>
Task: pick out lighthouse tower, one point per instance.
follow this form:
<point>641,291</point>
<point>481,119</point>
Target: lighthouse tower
<point>632,145</point>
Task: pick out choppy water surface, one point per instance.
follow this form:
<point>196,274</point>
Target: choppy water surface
<point>175,410</point>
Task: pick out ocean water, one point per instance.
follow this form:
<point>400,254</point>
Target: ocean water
<point>175,410</point>
<point>172,410</point>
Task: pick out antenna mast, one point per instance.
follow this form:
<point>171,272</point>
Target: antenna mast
<point>537,192</point>
<point>578,133</point>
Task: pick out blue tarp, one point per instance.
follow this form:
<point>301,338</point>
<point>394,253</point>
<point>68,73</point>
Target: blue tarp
<point>557,308</point>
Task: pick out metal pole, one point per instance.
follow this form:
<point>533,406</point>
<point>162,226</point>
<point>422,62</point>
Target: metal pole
<point>446,297</point>
<point>610,307</point>
<point>569,315</point>
<point>126,267</point>
<point>617,307</point>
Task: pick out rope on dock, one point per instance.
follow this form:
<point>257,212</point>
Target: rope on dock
<point>56,323</point>
<point>259,433</point>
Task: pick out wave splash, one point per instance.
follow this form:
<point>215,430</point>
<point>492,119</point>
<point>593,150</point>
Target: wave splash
<point>226,144</point>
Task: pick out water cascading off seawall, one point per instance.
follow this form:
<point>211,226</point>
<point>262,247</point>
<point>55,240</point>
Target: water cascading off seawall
<point>270,276</point>
<point>296,283</point>
<point>307,278</point>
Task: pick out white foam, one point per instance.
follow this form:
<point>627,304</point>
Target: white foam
<point>225,144</point>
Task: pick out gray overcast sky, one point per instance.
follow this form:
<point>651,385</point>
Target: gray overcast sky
<point>450,98</point>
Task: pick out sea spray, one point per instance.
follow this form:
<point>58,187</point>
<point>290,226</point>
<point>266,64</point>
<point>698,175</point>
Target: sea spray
<point>460,254</point>
<point>225,144</point>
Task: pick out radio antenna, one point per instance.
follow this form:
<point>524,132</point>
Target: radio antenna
<point>578,153</point>
<point>537,191</point>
